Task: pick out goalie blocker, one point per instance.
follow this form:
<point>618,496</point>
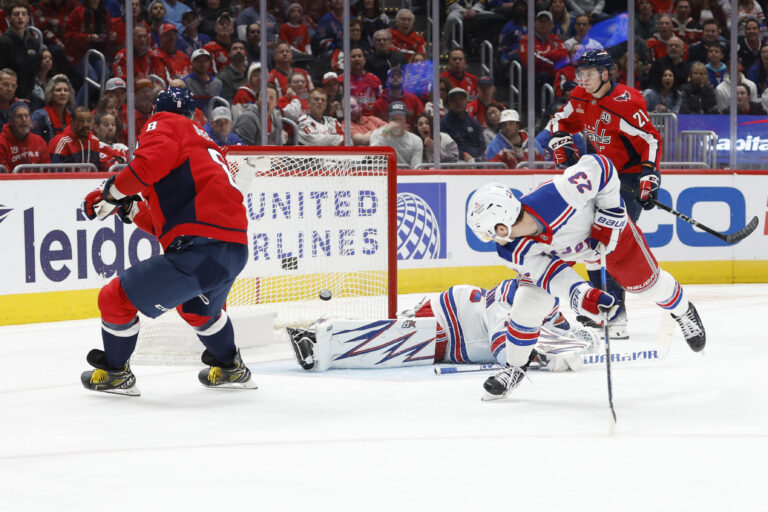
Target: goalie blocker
<point>476,332</point>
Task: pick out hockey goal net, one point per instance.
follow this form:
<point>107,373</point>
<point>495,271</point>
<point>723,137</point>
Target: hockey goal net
<point>318,219</point>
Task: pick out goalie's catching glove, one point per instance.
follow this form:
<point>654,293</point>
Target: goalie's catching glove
<point>106,200</point>
<point>606,229</point>
<point>564,151</point>
<point>650,180</point>
<point>591,302</point>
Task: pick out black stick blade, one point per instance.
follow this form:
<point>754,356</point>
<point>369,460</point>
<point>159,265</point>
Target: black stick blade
<point>743,233</point>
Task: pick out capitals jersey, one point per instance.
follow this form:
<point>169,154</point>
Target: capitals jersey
<point>617,126</point>
<point>472,322</point>
<point>565,208</point>
<point>185,182</point>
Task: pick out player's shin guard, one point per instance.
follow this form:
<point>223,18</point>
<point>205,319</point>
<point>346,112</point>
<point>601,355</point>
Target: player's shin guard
<point>218,336</point>
<point>119,341</point>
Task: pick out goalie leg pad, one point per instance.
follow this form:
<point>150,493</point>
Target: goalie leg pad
<point>375,343</point>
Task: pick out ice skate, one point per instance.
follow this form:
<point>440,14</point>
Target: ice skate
<point>119,381</point>
<point>303,341</point>
<point>235,376</point>
<point>501,384</point>
<point>692,328</point>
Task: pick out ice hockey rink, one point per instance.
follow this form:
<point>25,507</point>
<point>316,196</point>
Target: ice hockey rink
<point>692,430</point>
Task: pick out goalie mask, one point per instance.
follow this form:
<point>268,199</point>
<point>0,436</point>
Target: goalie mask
<point>489,206</point>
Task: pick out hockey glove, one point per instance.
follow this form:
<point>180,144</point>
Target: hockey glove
<point>564,152</point>
<point>103,202</point>
<point>606,229</point>
<point>592,302</point>
<point>650,179</point>
<point>128,210</point>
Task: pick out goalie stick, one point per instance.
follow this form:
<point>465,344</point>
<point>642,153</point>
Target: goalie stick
<point>730,238</point>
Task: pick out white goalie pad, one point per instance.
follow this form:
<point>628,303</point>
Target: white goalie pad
<point>566,352</point>
<point>375,343</point>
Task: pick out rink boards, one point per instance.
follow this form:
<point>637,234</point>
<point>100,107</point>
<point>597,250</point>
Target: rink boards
<point>54,259</point>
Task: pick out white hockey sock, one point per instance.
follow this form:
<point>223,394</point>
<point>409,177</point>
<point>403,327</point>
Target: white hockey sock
<point>667,293</point>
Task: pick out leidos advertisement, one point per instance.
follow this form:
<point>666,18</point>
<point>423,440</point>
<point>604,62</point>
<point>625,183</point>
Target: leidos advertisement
<point>47,244</point>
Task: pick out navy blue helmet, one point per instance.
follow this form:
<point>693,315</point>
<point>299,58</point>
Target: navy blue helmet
<point>599,59</point>
<point>176,100</point>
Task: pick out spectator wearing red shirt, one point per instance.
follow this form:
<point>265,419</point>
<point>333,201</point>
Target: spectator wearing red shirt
<point>139,18</point>
<point>477,107</point>
<point>685,27</point>
<point>54,117</point>
<point>247,93</point>
<point>89,26</point>
<point>657,45</point>
<point>457,63</point>
<point>144,61</point>
<point>282,70</point>
<point>77,143</point>
<point>171,62</point>
<point>219,47</point>
<point>295,32</point>
<point>549,49</point>
<point>363,85</point>
<point>404,39</point>
<point>394,92</point>
<point>18,145</point>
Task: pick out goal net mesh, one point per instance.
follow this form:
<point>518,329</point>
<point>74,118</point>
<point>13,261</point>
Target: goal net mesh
<point>318,219</point>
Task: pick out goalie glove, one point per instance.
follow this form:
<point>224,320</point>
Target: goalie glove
<point>606,229</point>
<point>650,180</point>
<point>591,302</point>
<point>564,151</point>
<point>104,201</point>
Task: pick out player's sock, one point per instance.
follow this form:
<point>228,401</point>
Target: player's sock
<point>218,336</point>
<point>233,375</point>
<point>119,341</point>
<point>108,379</point>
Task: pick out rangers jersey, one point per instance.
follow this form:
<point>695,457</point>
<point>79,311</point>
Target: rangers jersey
<point>472,322</point>
<point>565,208</point>
<point>617,126</point>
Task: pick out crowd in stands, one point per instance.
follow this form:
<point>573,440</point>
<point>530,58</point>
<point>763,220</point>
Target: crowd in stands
<point>50,113</point>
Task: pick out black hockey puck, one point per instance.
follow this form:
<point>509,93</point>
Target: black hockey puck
<point>325,294</point>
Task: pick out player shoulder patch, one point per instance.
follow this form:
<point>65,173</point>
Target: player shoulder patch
<point>625,96</point>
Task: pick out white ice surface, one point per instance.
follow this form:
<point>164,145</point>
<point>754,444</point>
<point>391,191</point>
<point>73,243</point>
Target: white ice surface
<point>692,431</point>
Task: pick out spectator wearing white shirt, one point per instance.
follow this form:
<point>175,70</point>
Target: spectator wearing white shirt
<point>316,129</point>
<point>407,145</point>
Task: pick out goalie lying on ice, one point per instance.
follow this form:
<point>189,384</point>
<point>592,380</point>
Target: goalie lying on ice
<point>465,324</point>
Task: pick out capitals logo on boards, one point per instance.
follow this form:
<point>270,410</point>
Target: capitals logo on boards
<point>421,221</point>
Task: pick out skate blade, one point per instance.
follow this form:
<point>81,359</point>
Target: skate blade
<point>235,385</point>
<point>487,397</point>
<point>132,391</point>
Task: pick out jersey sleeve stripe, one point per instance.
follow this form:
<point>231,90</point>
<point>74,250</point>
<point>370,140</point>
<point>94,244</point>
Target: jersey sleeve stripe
<point>562,219</point>
<point>137,176</point>
<point>554,268</point>
<point>521,250</point>
<point>498,341</point>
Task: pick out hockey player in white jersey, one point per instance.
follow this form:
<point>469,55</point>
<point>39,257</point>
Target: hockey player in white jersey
<point>574,217</point>
<point>465,324</point>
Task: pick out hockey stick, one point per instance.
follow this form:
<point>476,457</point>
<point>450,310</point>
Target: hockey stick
<point>465,368</point>
<point>731,238</point>
<point>604,279</point>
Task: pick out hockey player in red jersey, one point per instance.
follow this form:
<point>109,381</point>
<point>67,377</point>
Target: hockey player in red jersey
<point>618,127</point>
<point>194,209</point>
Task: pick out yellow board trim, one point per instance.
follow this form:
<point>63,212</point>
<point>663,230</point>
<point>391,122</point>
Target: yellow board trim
<point>77,304</point>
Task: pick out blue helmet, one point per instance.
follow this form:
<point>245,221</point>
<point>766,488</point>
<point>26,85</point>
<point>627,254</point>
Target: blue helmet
<point>176,100</point>
<point>599,59</point>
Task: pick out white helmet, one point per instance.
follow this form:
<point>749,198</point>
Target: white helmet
<point>491,205</point>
